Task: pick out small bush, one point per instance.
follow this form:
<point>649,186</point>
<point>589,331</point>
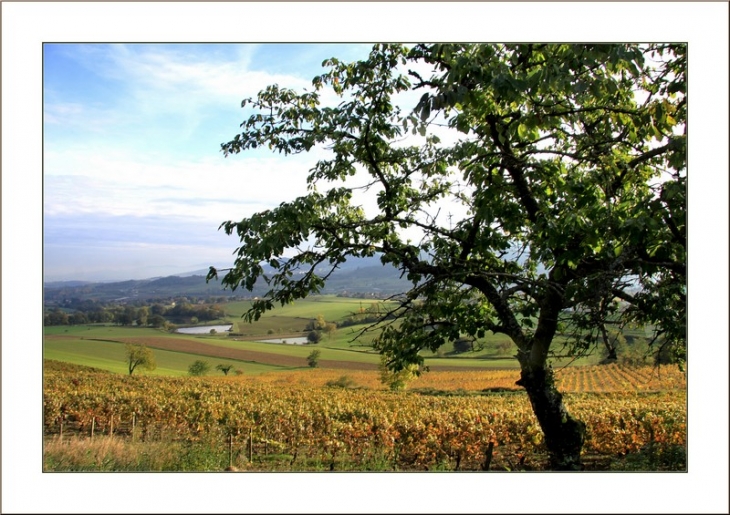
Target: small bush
<point>463,345</point>
<point>396,380</point>
<point>504,347</point>
<point>653,457</point>
<point>199,368</point>
<point>342,382</point>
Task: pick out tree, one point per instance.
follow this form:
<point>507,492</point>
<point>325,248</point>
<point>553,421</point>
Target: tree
<point>317,324</point>
<point>78,318</point>
<point>463,345</point>
<point>313,359</point>
<point>398,379</point>
<point>126,316</point>
<point>143,314</point>
<point>157,321</point>
<point>320,323</point>
<point>157,309</point>
<point>556,203</point>
<point>199,368</point>
<point>330,328</point>
<point>140,356</point>
<point>224,368</point>
<point>314,336</point>
<point>57,317</point>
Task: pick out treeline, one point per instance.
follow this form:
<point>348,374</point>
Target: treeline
<point>374,313</point>
<point>155,315</point>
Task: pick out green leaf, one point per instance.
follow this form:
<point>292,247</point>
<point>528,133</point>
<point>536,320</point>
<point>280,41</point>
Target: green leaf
<point>659,113</point>
<point>562,212</point>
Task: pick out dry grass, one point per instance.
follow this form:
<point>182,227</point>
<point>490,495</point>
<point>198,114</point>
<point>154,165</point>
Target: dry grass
<point>106,453</point>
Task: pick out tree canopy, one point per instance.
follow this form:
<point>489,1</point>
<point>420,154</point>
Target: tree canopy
<point>140,356</point>
<point>529,190</point>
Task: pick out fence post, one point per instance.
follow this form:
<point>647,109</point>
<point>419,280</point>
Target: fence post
<point>488,456</point>
<point>60,429</point>
<point>93,424</point>
<point>250,444</point>
<point>111,424</point>
<point>134,420</point>
<point>230,450</point>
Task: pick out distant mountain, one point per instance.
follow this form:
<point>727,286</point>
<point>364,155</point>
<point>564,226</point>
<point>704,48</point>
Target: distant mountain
<point>357,275</point>
<point>65,284</point>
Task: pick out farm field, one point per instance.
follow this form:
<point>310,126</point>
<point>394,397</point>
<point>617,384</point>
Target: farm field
<point>90,344</point>
<point>110,356</point>
<point>276,413</point>
<point>307,420</point>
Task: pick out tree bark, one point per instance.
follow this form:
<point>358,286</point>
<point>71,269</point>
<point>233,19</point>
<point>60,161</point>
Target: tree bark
<point>564,435</point>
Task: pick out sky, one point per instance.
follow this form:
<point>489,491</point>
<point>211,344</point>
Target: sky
<point>134,182</point>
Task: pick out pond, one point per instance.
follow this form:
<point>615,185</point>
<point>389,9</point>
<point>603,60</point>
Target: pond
<point>204,329</point>
<point>297,340</point>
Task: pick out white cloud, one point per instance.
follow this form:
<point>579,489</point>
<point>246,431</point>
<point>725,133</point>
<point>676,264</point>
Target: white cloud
<point>209,188</point>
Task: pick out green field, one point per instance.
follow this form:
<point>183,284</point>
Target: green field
<point>82,345</point>
<point>111,356</point>
<point>333,308</point>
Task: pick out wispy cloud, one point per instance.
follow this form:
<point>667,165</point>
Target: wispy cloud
<point>132,138</point>
<point>91,182</point>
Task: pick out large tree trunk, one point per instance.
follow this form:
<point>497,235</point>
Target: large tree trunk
<point>564,435</point>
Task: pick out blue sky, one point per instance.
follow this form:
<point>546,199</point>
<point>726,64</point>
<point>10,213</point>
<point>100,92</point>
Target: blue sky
<point>134,183</point>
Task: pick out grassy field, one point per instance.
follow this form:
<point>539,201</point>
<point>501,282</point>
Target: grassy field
<point>333,308</point>
<point>111,356</point>
<point>102,346</point>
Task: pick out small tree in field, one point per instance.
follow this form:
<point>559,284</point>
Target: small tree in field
<point>199,368</point>
<point>224,368</point>
<point>140,356</point>
<point>330,328</point>
<point>533,190</point>
<point>313,359</point>
<point>463,345</point>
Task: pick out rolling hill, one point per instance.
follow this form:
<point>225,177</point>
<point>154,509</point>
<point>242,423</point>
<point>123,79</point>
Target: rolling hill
<point>357,275</point>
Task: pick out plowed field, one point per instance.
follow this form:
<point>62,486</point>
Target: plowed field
<point>266,358</point>
<point>205,349</point>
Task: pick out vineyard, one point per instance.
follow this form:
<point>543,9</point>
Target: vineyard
<point>293,421</point>
<point>607,378</point>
